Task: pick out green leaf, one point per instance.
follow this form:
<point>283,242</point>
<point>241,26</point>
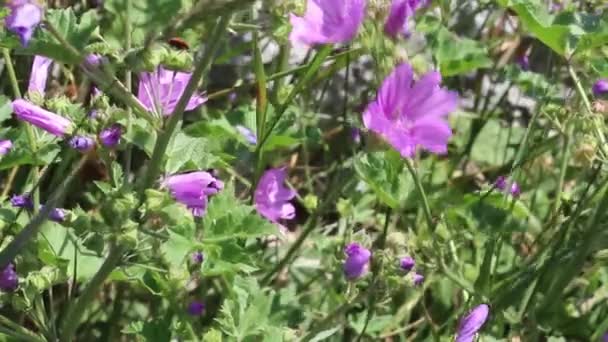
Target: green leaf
<point>6,109</point>
<point>385,173</point>
<point>185,152</point>
<point>495,144</point>
<point>142,134</point>
<point>177,248</point>
<point>458,55</point>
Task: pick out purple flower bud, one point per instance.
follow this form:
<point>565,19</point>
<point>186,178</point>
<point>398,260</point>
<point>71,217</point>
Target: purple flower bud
<point>9,279</point>
<point>247,134</point>
<point>272,197</point>
<point>22,201</point>
<point>515,190</point>
<point>356,264</point>
<point>39,74</point>
<point>24,17</point>
<point>407,263</point>
<point>5,146</point>
<point>110,137</point>
<point>50,122</point>
<point>418,279</point>
<point>400,12</point>
<point>196,308</point>
<point>500,183</point>
<point>471,323</point>
<point>82,143</point>
<point>355,134</point>
<point>523,61</point>
<point>56,215</point>
<point>93,60</point>
<point>600,87</point>
<point>193,189</point>
<point>92,114</point>
<point>197,257</point>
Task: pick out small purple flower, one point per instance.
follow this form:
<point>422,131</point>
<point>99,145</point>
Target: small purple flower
<point>418,279</point>
<point>407,263</point>
<point>356,264</point>
<point>9,280</point>
<point>82,143</point>
<point>22,201</point>
<point>93,59</point>
<point>197,257</point>
<point>600,87</point>
<point>39,74</point>
<point>56,215</point>
<point>272,197</point>
<point>160,91</point>
<point>193,189</point>
<point>411,114</point>
<point>471,323</point>
<point>523,60</point>
<point>50,122</point>
<point>400,12</point>
<point>110,137</point>
<point>515,190</point>
<point>247,134</point>
<point>24,17</point>
<point>5,146</point>
<point>500,183</point>
<point>327,22</point>
<point>196,308</point>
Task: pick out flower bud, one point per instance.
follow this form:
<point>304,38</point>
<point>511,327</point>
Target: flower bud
<point>9,280</point>
<point>5,146</point>
<point>356,264</point>
<point>407,263</point>
<point>196,308</point>
<point>82,143</point>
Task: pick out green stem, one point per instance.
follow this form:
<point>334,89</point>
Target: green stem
<point>128,82</point>
<point>76,312</point>
<point>566,149</point>
<point>165,136</point>
<point>425,203</point>
<point>17,331</point>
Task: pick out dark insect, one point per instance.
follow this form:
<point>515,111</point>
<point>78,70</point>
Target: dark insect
<point>94,168</point>
<point>179,43</point>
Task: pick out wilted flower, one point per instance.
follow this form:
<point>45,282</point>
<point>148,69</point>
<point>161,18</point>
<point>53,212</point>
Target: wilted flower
<point>197,257</point>
<point>159,91</point>
<point>110,136</point>
<point>50,122</point>
<point>600,87</point>
<point>39,74</point>
<point>247,134</point>
<point>196,308</point>
<point>327,22</point>
<point>407,263</point>
<point>471,323</point>
<point>418,279</point>
<point>24,17</point>
<point>5,146</point>
<point>22,201</point>
<point>193,189</point>
<point>272,197</point>
<point>8,278</point>
<point>82,143</point>
<point>356,264</point>
<point>410,114</point>
<point>400,12</point>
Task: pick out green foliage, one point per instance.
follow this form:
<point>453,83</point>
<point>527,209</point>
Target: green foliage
<point>457,55</point>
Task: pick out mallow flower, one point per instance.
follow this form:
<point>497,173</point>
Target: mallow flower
<point>356,264</point>
<point>192,189</point>
<point>327,22</point>
<point>39,74</point>
<point>22,201</point>
<point>39,117</point>
<point>110,137</point>
<point>159,91</point>
<point>600,87</point>
<point>271,197</point>
<point>407,263</point>
<point>411,114</point>
<point>472,323</point>
<point>24,17</point>
<point>400,11</point>
<point>5,146</point>
<point>501,183</point>
<point>82,143</point>
<point>9,280</point>
<point>417,279</point>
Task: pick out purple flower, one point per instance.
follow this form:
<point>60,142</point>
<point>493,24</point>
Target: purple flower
<point>92,59</point>
<point>523,60</point>
<point>409,114</point>
<point>82,143</point>
<point>9,279</point>
<point>24,18</point>
<point>355,134</point>
<point>418,279</point>
<point>605,337</point>
<point>247,134</point>
<point>327,22</point>
<point>407,263</point>
<point>515,190</point>
<point>39,74</point>
<point>356,264</point>
<point>197,257</point>
<point>5,146</point>
<point>397,21</point>
<point>471,323</point>
<point>160,91</point>
<point>22,201</point>
<point>50,122</point>
<point>110,136</point>
<point>600,87</point>
<point>196,308</point>
<point>501,183</point>
<point>272,197</point>
<point>193,189</point>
